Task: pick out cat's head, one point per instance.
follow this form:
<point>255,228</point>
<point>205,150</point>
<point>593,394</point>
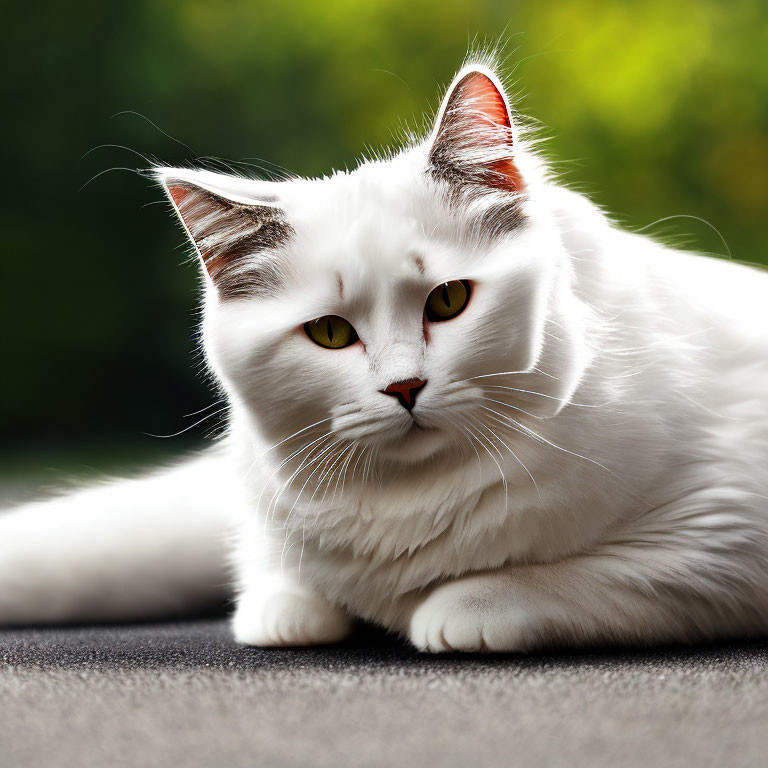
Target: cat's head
<point>370,308</point>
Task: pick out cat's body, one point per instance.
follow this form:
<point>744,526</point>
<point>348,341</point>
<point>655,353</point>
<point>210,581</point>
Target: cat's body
<point>583,464</point>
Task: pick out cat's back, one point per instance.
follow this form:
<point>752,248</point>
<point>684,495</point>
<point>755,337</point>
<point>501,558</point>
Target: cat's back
<point>706,318</point>
<point>684,331</point>
<point>722,293</point>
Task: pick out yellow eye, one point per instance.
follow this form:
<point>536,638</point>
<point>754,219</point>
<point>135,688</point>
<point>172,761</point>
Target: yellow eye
<point>331,331</point>
<point>447,300</point>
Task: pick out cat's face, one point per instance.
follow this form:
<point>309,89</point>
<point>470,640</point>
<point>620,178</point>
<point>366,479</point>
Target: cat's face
<point>368,308</point>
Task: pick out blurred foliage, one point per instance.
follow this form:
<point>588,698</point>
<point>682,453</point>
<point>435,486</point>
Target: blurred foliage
<point>655,108</point>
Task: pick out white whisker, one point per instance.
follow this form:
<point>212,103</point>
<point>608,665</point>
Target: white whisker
<point>548,397</point>
<point>540,438</point>
<point>518,460</point>
<point>290,479</point>
<point>482,440</point>
<point>295,434</point>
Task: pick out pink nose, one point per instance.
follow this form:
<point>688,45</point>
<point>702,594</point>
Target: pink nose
<point>405,391</point>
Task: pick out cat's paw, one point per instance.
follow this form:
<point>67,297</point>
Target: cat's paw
<point>475,615</point>
<point>288,615</point>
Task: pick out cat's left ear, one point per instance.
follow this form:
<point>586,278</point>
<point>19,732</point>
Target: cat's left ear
<point>235,224</point>
<point>473,141</point>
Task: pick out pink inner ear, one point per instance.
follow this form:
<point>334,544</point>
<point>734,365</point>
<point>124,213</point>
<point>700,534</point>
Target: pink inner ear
<point>476,130</point>
<point>480,91</point>
<point>178,194</point>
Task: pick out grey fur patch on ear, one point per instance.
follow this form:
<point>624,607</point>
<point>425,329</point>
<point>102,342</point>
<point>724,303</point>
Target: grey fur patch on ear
<point>236,241</point>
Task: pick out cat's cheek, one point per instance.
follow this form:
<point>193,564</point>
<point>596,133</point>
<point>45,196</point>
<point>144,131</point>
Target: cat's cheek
<point>473,615</point>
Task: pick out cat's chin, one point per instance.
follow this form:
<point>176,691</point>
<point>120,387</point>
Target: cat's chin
<point>417,444</point>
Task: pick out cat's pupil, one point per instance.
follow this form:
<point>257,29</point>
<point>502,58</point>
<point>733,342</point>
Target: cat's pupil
<point>446,297</point>
<point>330,330</point>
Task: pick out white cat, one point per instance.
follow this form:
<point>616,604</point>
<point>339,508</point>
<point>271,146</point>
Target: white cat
<point>464,406</point>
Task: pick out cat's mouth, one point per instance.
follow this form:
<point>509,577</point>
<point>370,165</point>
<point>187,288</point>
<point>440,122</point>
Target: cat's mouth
<point>418,442</point>
<point>419,429</point>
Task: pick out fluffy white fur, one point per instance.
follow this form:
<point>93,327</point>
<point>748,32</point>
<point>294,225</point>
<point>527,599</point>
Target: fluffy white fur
<point>585,464</point>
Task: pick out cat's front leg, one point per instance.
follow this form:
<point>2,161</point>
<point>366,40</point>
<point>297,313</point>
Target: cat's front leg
<point>623,595</point>
<point>275,607</point>
<point>475,614</point>
<point>276,611</point>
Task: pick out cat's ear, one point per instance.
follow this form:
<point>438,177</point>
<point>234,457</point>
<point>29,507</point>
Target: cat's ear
<point>236,226</point>
<point>473,141</point>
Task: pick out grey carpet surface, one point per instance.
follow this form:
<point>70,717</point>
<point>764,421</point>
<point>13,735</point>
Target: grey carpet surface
<point>184,694</point>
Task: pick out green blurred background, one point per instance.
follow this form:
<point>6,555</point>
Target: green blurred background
<point>654,108</point>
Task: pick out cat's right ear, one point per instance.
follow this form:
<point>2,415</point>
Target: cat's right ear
<point>236,226</point>
<point>473,141</point>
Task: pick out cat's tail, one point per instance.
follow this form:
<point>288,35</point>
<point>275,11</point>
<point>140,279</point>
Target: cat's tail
<point>127,549</point>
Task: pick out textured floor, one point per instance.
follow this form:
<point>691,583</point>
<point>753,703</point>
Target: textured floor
<point>185,695</point>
